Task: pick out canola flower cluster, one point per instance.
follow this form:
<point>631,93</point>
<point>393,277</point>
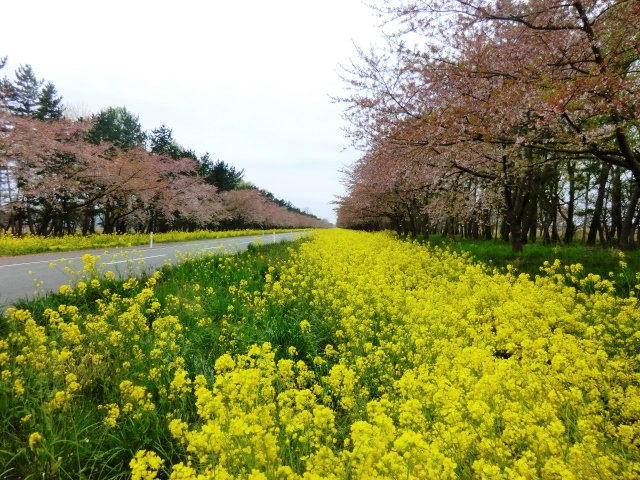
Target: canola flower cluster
<point>359,357</point>
<point>435,368</point>
<point>53,368</point>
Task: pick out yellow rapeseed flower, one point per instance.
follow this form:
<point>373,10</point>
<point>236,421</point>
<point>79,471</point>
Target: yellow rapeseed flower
<point>34,439</point>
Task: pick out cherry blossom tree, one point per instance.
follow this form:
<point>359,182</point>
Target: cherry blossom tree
<point>503,91</point>
<point>55,182</point>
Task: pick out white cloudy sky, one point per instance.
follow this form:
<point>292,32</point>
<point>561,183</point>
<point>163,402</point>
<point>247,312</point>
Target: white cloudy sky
<point>247,81</point>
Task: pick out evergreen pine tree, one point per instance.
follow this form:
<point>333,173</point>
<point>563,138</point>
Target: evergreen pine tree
<point>161,141</point>
<point>49,104</point>
<point>190,153</point>
<point>5,85</point>
<point>25,91</point>
<point>222,175</point>
<point>118,126</point>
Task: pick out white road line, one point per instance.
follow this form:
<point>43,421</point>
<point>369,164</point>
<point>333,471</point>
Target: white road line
<point>132,260</point>
<point>114,254</point>
<point>39,261</point>
<point>222,246</point>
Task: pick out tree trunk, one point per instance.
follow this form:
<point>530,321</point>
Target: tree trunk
<point>555,238</point>
<point>88,220</point>
<point>451,230</point>
<point>504,229</point>
<point>533,227</point>
<point>546,238</point>
<point>533,215</point>
<point>525,228</point>
<point>45,221</point>
<point>616,204</point>
<point>487,230</point>
<point>516,236</point>
<point>31,223</point>
<point>634,228</point>
<point>627,223</point>
<point>603,239</point>
<point>596,220</point>
<point>571,228</point>
<point>586,206</point>
<point>516,200</point>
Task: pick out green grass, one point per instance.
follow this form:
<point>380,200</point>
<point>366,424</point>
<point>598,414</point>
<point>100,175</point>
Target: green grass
<point>596,260</point>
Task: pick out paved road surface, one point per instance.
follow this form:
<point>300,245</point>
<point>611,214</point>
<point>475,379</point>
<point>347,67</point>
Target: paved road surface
<point>17,274</point>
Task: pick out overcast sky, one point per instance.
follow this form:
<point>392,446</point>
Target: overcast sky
<point>249,82</point>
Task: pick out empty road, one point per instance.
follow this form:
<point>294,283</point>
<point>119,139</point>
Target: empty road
<point>26,276</point>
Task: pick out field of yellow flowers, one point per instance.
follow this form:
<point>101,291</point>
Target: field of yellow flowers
<point>350,355</point>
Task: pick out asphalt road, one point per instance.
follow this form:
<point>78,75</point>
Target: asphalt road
<point>26,276</point>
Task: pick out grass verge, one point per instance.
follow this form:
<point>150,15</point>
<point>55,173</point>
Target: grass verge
<point>605,262</point>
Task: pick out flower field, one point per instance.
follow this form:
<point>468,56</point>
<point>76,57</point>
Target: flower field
<point>14,245</point>
<point>350,355</point>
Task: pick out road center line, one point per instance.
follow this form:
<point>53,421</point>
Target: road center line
<point>132,259</point>
<point>39,261</point>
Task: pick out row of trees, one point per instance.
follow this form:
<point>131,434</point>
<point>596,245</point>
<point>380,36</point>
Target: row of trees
<point>506,117</point>
<point>104,173</point>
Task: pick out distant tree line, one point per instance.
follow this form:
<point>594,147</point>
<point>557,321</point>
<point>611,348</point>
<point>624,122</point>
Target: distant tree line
<point>516,119</point>
<point>104,173</point>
